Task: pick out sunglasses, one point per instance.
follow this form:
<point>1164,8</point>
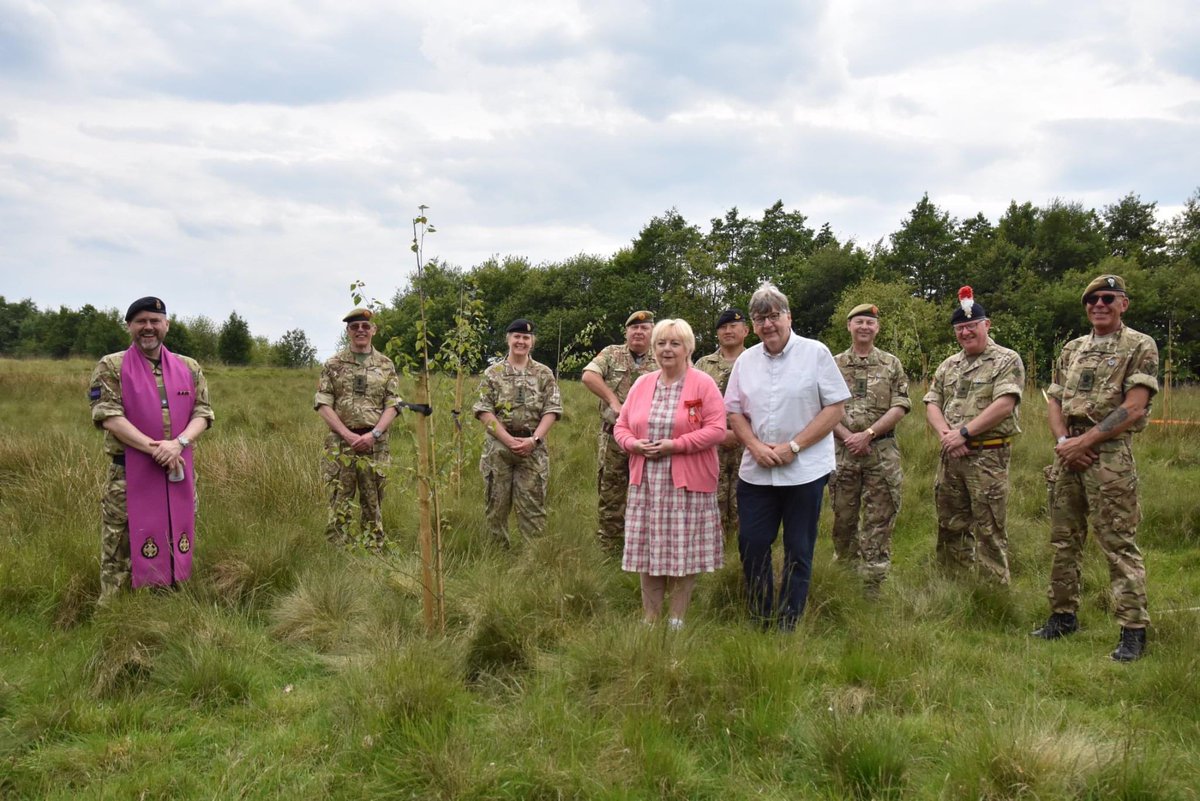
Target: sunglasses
<point>1108,297</point>
<point>359,326</point>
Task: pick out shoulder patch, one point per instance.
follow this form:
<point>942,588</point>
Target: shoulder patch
<point>94,392</point>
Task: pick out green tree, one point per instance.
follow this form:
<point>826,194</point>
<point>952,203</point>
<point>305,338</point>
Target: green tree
<point>179,338</point>
<point>12,318</point>
<point>100,332</point>
<point>730,243</point>
<point>234,344</point>
<point>262,352</point>
<point>814,284</point>
<point>294,350</point>
<point>1132,230</point>
<point>1183,232</point>
<point>782,237</point>
<point>50,334</point>
<point>923,251</point>
<point>204,338</point>
<point>1069,237</point>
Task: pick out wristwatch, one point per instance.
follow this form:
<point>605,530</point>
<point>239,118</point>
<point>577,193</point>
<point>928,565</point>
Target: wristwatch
<point>376,433</point>
<point>871,431</point>
<point>963,432</point>
<point>792,444</point>
<point>183,441</point>
<point>537,440</point>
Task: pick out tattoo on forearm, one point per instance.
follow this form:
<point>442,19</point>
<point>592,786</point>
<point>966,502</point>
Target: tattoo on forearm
<point>1119,415</point>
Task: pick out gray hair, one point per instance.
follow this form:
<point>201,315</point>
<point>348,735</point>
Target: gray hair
<point>767,299</point>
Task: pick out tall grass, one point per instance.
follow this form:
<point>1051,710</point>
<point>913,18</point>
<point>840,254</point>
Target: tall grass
<point>287,667</point>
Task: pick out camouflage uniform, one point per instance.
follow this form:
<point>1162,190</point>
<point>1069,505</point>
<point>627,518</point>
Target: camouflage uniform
<point>519,399</point>
<point>729,458</point>
<point>358,394</point>
<point>106,401</point>
<point>971,493</point>
<point>868,485</point>
<point>1091,377</point>
<point>617,367</point>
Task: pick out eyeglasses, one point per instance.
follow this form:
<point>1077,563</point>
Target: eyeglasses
<point>773,317</point>
<point>359,326</point>
<point>1108,297</point>
<point>966,326</point>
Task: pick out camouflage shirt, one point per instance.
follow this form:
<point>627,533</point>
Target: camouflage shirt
<point>518,398</point>
<point>877,383</point>
<point>1092,374</point>
<point>104,395</point>
<point>358,393</point>
<point>715,365</point>
<point>616,366</point>
<point>963,386</point>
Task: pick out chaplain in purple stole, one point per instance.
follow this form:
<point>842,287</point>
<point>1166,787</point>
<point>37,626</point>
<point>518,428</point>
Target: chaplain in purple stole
<point>152,405</point>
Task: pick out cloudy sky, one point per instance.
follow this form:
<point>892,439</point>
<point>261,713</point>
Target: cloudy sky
<point>260,155</point>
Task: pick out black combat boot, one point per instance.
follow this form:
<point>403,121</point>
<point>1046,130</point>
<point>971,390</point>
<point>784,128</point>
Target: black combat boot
<point>1130,646</point>
<point>1060,624</point>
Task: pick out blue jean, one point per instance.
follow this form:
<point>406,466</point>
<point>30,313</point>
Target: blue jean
<point>762,508</point>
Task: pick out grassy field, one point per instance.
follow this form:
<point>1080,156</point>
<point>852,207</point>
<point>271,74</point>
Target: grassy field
<point>287,668</point>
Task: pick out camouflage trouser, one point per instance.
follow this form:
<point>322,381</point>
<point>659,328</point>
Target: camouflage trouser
<point>511,481</point>
<point>612,485</point>
<point>346,473</point>
<point>730,461</point>
<point>116,570</point>
<point>971,496</point>
<point>1104,495</point>
<point>866,487</point>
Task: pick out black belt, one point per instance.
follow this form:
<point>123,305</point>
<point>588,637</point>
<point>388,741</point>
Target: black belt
<point>888,435</point>
<point>607,428</point>
<point>119,460</point>
<point>361,431</point>
<point>520,432</point>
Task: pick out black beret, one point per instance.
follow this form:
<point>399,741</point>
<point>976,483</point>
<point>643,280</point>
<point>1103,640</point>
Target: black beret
<point>150,304</point>
<point>519,326</point>
<point>960,316</point>
<point>730,316</point>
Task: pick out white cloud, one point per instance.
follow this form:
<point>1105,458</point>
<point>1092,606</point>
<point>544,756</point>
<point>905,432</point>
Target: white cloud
<point>261,155</point>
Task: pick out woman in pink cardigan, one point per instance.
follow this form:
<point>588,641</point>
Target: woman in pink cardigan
<point>670,425</point>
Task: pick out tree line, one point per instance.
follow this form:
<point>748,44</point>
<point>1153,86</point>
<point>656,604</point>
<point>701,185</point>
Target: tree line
<point>1028,269</point>
<point>27,331</point>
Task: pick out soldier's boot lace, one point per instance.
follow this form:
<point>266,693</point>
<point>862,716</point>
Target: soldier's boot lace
<point>1060,624</point>
<point>1130,646</point>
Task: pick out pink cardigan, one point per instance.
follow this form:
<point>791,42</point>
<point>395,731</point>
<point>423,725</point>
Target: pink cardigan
<point>699,428</point>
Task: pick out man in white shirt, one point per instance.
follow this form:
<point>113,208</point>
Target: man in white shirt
<point>784,397</point>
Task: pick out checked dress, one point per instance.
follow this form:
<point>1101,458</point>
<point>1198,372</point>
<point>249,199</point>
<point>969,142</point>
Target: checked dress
<point>669,531</point>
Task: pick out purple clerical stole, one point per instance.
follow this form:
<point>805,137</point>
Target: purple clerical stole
<point>162,513</point>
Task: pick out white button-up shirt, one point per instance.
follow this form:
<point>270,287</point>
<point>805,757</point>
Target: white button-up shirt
<point>780,395</point>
